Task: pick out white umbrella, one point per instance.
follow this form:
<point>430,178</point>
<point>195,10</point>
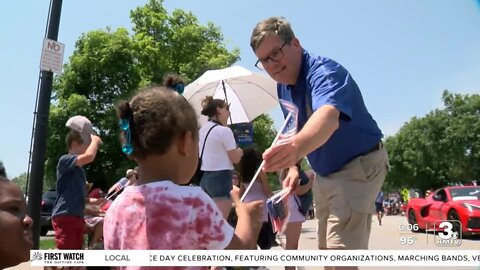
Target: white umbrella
<point>249,94</point>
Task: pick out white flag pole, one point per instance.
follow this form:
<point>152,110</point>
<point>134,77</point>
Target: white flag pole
<point>263,161</point>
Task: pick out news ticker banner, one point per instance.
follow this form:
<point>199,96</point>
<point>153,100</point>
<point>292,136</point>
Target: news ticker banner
<point>255,257</point>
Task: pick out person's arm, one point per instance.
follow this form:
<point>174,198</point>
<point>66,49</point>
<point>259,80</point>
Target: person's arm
<point>118,186</point>
<point>94,201</point>
<point>318,129</point>
<point>90,153</point>
<point>113,188</point>
<point>248,225</point>
<point>91,209</point>
<point>305,188</point>
<point>235,155</point>
<point>333,94</point>
<point>265,185</point>
<point>241,189</point>
<point>316,132</point>
<point>218,234</point>
<point>292,179</point>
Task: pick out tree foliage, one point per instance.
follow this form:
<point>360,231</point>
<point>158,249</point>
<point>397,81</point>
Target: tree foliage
<point>439,149</point>
<point>263,132</point>
<point>21,181</point>
<point>263,135</point>
<point>108,66</point>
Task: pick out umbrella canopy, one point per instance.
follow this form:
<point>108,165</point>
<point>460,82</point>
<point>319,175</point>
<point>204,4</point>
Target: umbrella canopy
<point>249,94</point>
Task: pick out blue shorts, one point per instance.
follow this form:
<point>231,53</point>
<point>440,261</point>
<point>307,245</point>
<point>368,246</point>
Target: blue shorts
<point>378,207</point>
<point>217,184</point>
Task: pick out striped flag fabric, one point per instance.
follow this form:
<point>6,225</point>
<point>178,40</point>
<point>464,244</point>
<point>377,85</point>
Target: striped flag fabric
<point>291,122</point>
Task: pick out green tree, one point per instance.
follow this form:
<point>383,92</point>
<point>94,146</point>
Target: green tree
<point>21,181</point>
<point>108,66</point>
<point>263,132</point>
<point>437,149</point>
<point>177,43</point>
<point>263,135</point>
<point>463,132</point>
<point>102,70</point>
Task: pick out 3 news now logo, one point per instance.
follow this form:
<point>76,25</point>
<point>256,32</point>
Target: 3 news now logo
<point>448,233</point>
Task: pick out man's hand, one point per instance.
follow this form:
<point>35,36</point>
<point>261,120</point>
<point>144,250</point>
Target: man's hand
<point>280,156</point>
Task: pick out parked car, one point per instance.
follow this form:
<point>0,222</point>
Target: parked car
<point>48,200</point>
<point>460,203</point>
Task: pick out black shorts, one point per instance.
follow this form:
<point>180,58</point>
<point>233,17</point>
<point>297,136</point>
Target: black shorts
<point>378,207</point>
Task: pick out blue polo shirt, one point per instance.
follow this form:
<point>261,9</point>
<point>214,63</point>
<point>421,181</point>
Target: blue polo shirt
<point>322,81</point>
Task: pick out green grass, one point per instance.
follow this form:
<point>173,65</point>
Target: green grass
<point>47,244</point>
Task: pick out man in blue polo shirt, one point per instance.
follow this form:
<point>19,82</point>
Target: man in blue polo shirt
<point>336,132</point>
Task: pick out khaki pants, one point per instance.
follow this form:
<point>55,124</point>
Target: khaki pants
<point>345,201</point>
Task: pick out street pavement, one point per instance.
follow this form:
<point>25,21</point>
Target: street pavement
<point>383,237</point>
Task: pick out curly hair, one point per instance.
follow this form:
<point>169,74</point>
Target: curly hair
<point>156,116</point>
<point>249,164</point>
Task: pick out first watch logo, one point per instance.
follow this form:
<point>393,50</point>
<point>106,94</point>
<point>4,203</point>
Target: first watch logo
<point>36,256</point>
<point>449,233</point>
<point>55,258</point>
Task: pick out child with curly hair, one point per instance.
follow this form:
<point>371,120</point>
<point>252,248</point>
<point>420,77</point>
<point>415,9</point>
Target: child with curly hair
<point>161,134</point>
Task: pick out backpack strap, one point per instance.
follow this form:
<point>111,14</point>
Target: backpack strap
<point>205,141</point>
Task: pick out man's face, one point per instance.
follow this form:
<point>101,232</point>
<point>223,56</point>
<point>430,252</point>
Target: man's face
<point>279,59</point>
<point>15,226</point>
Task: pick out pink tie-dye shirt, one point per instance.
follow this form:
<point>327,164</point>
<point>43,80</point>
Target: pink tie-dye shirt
<point>163,215</point>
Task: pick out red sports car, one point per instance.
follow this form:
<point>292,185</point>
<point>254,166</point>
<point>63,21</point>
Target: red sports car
<point>460,203</point>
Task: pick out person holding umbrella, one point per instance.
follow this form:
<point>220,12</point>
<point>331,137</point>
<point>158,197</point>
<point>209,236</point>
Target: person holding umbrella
<point>220,152</point>
<point>337,133</point>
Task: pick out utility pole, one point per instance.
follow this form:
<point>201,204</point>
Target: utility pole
<point>41,131</point>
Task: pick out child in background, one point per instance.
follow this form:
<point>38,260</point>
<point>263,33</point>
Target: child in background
<point>15,225</point>
<point>94,218</point>
<point>68,210</point>
<point>296,217</point>
<point>260,190</point>
<point>161,134</point>
<point>117,188</point>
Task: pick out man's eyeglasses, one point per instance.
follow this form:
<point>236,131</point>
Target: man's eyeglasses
<point>275,56</point>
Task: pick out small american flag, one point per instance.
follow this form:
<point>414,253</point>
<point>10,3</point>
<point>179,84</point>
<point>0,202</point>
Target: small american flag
<point>284,135</point>
<point>291,125</point>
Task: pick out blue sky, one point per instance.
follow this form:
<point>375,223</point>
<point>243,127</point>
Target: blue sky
<point>402,53</point>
